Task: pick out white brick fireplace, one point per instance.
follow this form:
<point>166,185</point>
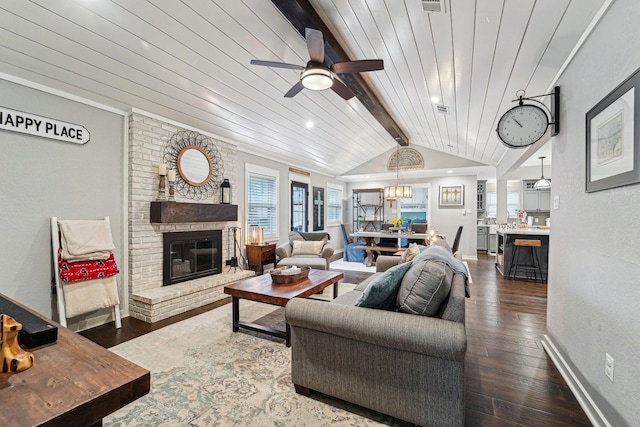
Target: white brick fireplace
<point>149,300</point>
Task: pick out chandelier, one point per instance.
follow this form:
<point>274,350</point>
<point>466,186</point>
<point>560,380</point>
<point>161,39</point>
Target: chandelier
<point>396,192</point>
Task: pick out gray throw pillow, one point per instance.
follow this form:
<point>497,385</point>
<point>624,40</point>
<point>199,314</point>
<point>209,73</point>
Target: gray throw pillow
<point>424,288</point>
<point>382,290</point>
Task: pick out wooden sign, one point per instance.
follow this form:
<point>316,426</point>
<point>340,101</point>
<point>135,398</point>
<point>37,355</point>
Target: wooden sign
<point>31,124</point>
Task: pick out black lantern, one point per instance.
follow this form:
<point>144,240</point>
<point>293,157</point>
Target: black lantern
<point>225,192</point>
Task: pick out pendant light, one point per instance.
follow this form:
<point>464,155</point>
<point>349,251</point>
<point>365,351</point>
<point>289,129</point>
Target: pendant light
<point>398,191</point>
<point>542,183</point>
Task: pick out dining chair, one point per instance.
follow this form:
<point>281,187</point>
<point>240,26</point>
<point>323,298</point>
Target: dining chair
<point>456,240</point>
<point>351,254</point>
<point>387,242</point>
<point>421,228</point>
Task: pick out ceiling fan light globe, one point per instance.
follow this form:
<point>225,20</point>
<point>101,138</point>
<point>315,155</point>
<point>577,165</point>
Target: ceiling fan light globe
<point>317,79</point>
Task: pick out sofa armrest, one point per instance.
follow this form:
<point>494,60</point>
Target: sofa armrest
<point>327,252</point>
<point>283,250</point>
<point>407,332</point>
<point>385,262</point>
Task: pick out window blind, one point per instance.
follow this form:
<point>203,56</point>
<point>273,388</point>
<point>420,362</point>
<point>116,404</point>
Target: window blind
<point>261,203</point>
<point>334,206</point>
<point>513,202</point>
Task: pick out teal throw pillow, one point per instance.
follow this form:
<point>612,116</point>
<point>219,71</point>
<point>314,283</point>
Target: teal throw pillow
<point>383,290</point>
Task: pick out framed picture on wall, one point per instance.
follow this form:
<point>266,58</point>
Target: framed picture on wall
<point>612,158</point>
<point>451,195</point>
<point>318,208</point>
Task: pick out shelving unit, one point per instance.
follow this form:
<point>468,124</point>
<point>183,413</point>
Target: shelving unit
<point>368,209</point>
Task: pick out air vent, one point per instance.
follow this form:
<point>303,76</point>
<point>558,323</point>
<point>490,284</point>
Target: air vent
<point>443,109</point>
<point>430,6</point>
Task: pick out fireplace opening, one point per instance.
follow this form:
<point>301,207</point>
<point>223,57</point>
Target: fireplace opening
<point>191,254</point>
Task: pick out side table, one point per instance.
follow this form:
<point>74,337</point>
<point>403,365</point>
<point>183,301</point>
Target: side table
<point>259,255</point>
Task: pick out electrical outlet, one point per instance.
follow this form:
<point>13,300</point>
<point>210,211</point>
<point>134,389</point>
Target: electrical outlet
<point>556,202</point>
<point>608,366</point>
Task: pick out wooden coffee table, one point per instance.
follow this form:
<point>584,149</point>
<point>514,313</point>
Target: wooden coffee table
<point>261,289</point>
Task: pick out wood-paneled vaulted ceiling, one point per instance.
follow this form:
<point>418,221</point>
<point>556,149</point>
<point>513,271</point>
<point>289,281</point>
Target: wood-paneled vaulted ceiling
<point>189,61</point>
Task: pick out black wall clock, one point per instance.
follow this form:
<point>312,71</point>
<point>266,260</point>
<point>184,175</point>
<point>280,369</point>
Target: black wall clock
<point>522,125</point>
<point>525,124</point>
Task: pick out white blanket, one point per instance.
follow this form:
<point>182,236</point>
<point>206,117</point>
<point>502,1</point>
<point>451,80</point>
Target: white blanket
<point>85,240</point>
<point>90,295</point>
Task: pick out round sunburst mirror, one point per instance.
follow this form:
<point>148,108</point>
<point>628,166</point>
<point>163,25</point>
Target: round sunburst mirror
<point>198,162</point>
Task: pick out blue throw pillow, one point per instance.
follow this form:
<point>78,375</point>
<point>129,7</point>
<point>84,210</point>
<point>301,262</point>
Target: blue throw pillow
<point>382,291</point>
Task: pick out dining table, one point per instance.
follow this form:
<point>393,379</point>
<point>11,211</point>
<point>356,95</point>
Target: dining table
<point>371,245</point>
<point>370,236</point>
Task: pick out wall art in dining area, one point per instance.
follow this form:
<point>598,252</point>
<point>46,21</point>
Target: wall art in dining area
<point>451,195</point>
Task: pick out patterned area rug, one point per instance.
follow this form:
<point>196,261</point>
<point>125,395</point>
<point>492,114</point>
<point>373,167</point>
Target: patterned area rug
<point>203,374</point>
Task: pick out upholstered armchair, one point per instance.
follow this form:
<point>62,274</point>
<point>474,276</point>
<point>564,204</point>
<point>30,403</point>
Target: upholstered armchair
<point>306,249</point>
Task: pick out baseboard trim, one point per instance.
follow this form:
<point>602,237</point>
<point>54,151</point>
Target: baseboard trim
<point>590,408</point>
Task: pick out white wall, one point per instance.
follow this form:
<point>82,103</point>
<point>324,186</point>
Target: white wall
<point>44,178</point>
<point>593,290</point>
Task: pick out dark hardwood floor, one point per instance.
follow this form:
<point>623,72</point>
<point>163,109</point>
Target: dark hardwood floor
<point>510,381</point>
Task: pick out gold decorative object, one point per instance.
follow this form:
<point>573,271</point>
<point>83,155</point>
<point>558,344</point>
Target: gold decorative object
<point>14,358</point>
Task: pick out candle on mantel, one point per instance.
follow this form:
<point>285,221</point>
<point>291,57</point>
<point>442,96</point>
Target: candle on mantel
<point>171,175</point>
<point>162,169</point>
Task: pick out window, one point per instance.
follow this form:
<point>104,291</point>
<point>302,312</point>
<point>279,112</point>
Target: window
<point>334,204</point>
<point>299,203</point>
<point>262,199</point>
<point>492,204</point>
<point>513,203</point>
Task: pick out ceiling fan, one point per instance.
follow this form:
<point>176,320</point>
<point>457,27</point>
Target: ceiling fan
<point>318,76</point>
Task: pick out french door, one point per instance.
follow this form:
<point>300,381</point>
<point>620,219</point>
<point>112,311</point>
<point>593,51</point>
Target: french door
<point>299,203</point>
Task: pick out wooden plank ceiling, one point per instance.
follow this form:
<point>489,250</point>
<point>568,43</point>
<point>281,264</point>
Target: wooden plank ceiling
<point>189,61</point>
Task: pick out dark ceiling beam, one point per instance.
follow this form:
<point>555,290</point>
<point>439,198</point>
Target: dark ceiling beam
<point>302,15</point>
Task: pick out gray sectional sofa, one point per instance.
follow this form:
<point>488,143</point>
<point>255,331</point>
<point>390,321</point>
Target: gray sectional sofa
<point>405,365</point>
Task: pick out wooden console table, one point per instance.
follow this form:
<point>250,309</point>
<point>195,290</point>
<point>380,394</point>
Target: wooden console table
<point>259,255</point>
<point>72,382</point>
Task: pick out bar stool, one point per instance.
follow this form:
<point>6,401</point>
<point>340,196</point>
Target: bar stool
<point>534,264</point>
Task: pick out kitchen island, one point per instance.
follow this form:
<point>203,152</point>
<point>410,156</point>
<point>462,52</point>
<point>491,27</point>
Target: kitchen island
<point>506,238</point>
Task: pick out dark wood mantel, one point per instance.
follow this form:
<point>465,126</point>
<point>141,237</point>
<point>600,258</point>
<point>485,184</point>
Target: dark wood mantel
<point>176,212</point>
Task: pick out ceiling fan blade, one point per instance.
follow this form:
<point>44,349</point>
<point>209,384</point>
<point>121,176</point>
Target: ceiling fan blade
<point>315,44</point>
<point>277,64</point>
<point>294,90</point>
<point>358,66</point>
<point>342,90</point>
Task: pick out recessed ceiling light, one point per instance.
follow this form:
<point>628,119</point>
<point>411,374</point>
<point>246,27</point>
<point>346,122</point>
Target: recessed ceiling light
<point>309,124</point>
<point>435,99</point>
<point>449,171</point>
